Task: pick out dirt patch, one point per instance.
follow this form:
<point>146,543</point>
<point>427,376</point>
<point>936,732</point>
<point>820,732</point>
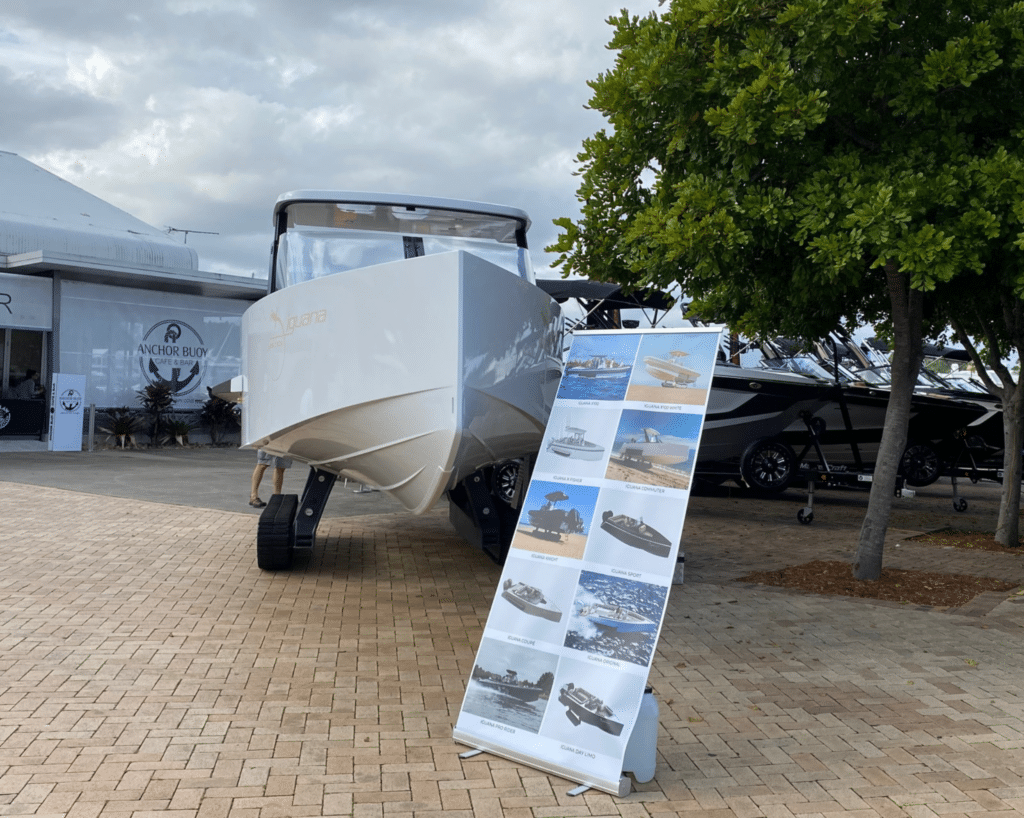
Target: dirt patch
<point>909,587</point>
<point>956,538</point>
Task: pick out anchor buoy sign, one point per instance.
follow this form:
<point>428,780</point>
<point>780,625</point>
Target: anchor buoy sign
<point>66,412</point>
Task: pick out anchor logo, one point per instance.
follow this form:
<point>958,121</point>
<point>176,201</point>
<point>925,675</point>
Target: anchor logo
<point>70,400</point>
<point>171,348</point>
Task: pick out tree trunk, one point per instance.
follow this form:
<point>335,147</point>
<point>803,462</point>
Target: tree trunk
<point>1008,526</point>
<point>906,363</point>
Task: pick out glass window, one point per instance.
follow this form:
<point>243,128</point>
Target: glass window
<point>324,238</point>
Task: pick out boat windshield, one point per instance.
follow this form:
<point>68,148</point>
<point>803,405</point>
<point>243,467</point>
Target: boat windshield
<point>323,238</point>
<point>800,364</point>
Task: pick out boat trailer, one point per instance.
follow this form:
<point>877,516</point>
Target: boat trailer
<point>289,523</point>
<point>484,509</point>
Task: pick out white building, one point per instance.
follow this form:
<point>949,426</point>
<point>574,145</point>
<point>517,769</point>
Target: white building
<point>88,289</point>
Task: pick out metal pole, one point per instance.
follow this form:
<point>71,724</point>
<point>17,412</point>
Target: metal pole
<point>92,426</point>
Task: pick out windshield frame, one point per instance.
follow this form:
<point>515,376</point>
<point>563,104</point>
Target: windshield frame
<point>424,225</point>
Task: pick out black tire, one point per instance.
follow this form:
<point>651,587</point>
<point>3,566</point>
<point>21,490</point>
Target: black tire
<point>920,465</point>
<point>768,465</point>
<point>506,481</point>
<point>960,504</point>
<point>805,517</point>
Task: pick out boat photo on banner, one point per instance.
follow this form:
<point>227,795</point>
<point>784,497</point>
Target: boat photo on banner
<point>562,667</point>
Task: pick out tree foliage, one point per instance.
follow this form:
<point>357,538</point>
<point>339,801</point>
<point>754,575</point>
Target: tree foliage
<point>794,165</point>
<point>762,152</point>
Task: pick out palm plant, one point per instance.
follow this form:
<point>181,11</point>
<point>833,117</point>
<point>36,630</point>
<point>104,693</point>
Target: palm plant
<point>157,400</point>
<point>219,416</point>
<point>177,429</point>
<point>122,424</point>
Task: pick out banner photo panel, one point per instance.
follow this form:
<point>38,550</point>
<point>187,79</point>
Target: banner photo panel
<point>573,629</point>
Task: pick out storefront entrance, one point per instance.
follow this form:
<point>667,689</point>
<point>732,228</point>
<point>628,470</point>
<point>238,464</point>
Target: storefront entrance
<point>22,350</point>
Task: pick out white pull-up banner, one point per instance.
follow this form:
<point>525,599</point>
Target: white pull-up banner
<point>66,412</point>
<point>561,669</point>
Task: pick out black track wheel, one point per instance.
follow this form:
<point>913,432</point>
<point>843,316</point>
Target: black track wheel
<point>274,533</point>
<point>768,465</point>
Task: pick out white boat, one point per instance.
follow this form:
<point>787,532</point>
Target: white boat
<point>583,706</point>
<point>403,343</point>
<point>653,449</point>
<point>669,370</point>
<point>574,444</point>
<point>530,600</point>
<point>618,619</point>
<point>599,366</point>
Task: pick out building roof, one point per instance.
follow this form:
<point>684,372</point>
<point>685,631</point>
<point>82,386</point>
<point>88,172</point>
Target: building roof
<point>49,225</point>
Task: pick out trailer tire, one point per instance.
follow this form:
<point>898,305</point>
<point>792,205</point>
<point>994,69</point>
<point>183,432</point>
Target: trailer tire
<point>768,465</point>
<point>920,464</point>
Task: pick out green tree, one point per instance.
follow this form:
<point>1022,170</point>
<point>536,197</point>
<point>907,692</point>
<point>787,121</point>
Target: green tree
<point>992,311</point>
<point>796,165</point>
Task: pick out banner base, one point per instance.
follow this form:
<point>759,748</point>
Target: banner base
<point>622,787</point>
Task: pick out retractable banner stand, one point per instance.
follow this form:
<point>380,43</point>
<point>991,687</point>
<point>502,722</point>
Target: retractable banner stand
<point>563,662</point>
<point>66,412</point>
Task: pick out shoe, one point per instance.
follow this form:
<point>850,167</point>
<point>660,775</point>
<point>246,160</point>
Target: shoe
<point>257,503</point>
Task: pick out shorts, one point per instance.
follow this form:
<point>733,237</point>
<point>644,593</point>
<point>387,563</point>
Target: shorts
<point>265,459</point>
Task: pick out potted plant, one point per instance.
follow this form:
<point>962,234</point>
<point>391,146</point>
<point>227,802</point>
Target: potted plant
<point>157,400</point>
<point>220,416</point>
<point>122,424</point>
<point>177,429</point>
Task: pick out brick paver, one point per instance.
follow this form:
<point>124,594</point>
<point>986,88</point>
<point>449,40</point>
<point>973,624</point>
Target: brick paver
<point>149,668</point>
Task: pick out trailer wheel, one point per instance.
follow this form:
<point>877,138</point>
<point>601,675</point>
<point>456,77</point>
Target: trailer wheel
<point>805,517</point>
<point>506,481</point>
<point>920,465</point>
<point>960,504</point>
<point>768,465</point>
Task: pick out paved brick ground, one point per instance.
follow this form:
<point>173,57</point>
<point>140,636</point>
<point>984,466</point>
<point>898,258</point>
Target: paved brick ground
<point>148,667</point>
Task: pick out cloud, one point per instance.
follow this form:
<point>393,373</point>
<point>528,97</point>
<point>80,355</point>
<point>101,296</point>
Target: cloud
<point>199,113</point>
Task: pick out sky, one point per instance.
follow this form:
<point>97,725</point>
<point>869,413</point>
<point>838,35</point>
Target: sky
<point>197,114</point>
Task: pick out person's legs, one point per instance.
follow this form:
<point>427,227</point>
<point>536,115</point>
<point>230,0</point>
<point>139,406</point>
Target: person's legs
<point>278,481</point>
<point>257,476</point>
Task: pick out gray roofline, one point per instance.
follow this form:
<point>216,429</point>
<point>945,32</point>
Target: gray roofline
<point>102,271</point>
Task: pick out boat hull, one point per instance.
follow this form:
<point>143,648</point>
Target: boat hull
<point>577,451</point>
<point>627,530</point>
<point>581,706</point>
<point>610,618</point>
<point>460,372</point>
<point>514,595</point>
<point>520,692</point>
<point>749,404</point>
